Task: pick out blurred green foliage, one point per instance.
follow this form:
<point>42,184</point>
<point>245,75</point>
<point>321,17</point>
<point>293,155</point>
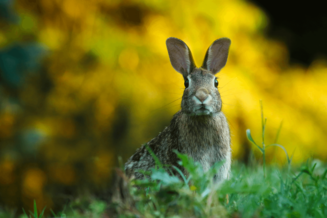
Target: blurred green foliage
<point>82,83</point>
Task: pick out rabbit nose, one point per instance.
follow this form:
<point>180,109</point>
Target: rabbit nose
<point>202,94</point>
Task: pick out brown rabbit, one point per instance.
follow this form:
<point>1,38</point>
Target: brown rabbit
<point>200,128</point>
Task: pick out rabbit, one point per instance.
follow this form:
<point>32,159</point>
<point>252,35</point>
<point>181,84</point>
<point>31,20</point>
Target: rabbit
<point>200,128</point>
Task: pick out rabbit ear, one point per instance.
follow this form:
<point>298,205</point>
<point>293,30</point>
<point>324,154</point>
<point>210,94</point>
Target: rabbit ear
<point>180,56</point>
<point>216,56</point>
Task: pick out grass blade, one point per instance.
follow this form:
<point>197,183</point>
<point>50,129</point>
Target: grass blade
<point>324,174</point>
<point>156,159</point>
<point>41,214</point>
<point>292,155</point>
<point>296,177</point>
<point>25,213</point>
<point>248,135</point>
<point>278,132</point>
<point>282,147</point>
<point>35,210</point>
<point>53,213</point>
<point>181,173</point>
<point>262,120</point>
<point>313,167</point>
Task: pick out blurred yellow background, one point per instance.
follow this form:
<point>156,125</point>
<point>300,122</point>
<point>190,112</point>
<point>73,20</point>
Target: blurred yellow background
<point>105,85</point>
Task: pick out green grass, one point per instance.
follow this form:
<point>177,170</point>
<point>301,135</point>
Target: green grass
<point>281,193</point>
<point>295,192</point>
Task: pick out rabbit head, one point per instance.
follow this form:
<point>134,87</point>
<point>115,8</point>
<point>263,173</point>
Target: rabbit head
<point>201,96</point>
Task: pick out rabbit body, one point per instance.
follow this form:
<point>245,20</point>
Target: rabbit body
<point>200,128</point>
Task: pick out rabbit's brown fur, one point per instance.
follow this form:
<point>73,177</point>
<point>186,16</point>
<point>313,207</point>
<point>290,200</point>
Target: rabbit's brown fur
<point>199,129</point>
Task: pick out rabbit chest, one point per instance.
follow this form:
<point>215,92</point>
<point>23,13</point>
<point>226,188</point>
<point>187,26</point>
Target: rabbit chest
<point>207,140</point>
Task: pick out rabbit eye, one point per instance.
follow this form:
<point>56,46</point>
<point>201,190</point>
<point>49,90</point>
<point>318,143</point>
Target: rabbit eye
<point>216,83</point>
<point>186,83</point>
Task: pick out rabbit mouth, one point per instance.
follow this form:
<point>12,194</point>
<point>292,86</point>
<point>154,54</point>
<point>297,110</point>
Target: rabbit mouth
<point>203,110</point>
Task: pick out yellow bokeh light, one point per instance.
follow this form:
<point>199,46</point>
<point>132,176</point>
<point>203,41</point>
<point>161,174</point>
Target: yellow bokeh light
<point>33,183</point>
